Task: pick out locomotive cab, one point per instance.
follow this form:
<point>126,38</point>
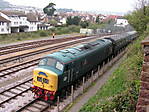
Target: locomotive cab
<point>45,76</point>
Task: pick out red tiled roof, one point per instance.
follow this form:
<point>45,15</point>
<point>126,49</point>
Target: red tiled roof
<point>113,16</point>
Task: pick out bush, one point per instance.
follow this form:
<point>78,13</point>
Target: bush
<point>43,33</point>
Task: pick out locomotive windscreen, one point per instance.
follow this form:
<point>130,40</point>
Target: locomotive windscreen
<point>51,62</point>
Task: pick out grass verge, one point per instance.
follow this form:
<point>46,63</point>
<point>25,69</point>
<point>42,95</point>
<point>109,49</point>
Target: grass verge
<point>120,92</point>
<point>17,37</point>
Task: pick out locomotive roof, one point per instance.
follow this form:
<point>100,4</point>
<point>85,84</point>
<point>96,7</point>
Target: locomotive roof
<point>69,54</point>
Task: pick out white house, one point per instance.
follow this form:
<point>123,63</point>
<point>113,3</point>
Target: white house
<point>19,21</point>
<point>32,22</point>
<point>63,20</point>
<point>86,31</point>
<point>4,25</point>
<point>121,22</point>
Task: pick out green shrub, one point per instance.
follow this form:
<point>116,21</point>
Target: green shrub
<point>43,33</point>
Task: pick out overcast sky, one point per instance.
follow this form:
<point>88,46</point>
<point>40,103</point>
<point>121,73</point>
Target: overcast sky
<point>84,5</point>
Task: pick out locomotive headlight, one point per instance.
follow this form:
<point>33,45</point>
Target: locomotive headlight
<point>51,86</point>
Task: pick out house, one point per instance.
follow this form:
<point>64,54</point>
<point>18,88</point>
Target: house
<point>44,26</point>
<point>32,21</point>
<point>63,20</point>
<point>4,25</point>
<point>101,17</point>
<point>19,21</point>
<point>111,17</point>
<point>121,22</point>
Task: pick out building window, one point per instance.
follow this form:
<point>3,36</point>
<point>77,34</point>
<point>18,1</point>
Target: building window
<point>20,22</point>
<point>1,23</point>
<point>15,23</point>
<point>2,30</point>
<point>31,28</point>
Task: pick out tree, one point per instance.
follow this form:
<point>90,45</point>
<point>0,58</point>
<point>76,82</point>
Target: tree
<point>97,19</point>
<point>140,17</point>
<point>73,20</point>
<point>76,20</point>
<point>53,22</point>
<point>49,9</point>
<point>69,20</point>
<point>142,5</point>
<point>84,24</point>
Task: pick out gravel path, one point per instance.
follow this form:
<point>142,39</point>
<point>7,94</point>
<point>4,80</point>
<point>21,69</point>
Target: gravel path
<point>93,90</point>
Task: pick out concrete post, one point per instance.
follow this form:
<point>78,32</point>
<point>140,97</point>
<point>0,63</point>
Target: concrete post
<point>98,70</point>
<point>58,110</point>
<point>92,77</point>
<point>72,94</point>
<point>103,67</point>
<point>83,85</point>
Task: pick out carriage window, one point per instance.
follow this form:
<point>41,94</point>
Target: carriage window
<point>59,66</point>
<point>39,79</point>
<point>46,81</point>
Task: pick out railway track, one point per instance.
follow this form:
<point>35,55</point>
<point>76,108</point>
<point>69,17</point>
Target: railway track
<point>9,58</point>
<point>7,70</point>
<point>10,70</point>
<point>34,106</point>
<point>35,44</point>
<point>13,92</point>
<point>38,43</point>
<point>9,73</point>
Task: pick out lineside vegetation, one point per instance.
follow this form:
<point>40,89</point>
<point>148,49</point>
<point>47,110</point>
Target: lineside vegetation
<point>120,92</point>
<point>16,37</point>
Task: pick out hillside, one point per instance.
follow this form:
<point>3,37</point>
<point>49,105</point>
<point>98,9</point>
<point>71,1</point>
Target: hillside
<point>4,4</point>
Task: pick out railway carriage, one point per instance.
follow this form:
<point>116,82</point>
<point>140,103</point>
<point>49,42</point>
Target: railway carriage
<point>132,35</point>
<point>60,69</point>
<point>120,41</point>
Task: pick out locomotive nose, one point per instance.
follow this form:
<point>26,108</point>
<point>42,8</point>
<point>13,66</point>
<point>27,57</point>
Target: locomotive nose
<point>45,79</point>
